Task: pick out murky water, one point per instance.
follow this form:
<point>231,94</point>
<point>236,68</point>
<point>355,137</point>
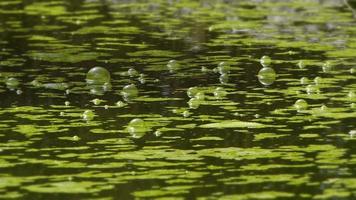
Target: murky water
<point>204,99</point>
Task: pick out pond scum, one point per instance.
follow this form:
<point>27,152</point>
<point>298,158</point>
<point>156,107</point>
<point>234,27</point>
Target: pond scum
<point>177,99</point>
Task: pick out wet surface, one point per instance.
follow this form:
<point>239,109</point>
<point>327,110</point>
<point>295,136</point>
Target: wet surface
<point>201,100</point>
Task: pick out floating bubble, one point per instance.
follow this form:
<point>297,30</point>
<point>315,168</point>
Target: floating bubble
<point>120,104</point>
<point>301,64</point>
<point>301,104</point>
<point>157,133</point>
<point>351,95</point>
<point>327,67</point>
<point>353,70</point>
<point>224,78</point>
<point>98,76</point>
<point>318,80</point>
<point>304,80</point>
<point>173,65</point>
<point>267,76</point>
<point>312,89</point>
<point>96,101</point>
<point>204,69</point>
<point>129,92</point>
<point>194,103</point>
<point>192,91</point>
<point>36,83</point>
<point>186,113</point>
<point>88,115</point>
<point>265,61</point>
<point>18,92</point>
<point>66,103</point>
<point>223,68</point>
<point>219,93</point>
<point>132,72</point>
<point>12,83</point>
<point>137,128</point>
<point>200,96</point>
<point>142,78</point>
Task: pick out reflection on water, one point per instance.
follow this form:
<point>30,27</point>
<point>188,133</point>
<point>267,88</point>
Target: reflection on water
<point>194,99</point>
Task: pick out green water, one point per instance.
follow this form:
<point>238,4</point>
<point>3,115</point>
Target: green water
<point>187,109</point>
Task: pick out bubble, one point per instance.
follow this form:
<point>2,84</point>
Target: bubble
<point>129,92</point>
<point>265,61</point>
<point>224,78</point>
<point>96,101</point>
<point>106,107</point>
<point>132,72</point>
<point>223,68</point>
<point>137,128</point>
<point>318,80</point>
<point>194,103</point>
<point>200,96</point>
<point>75,138</point>
<point>219,93</point>
<point>327,67</point>
<point>66,103</point>
<point>301,104</point>
<point>351,95</point>
<point>312,89</point>
<point>98,76</point>
<point>267,76</point>
<point>301,64</point>
<point>173,65</point>
<point>304,80</point>
<point>204,69</point>
<point>142,78</point>
<point>88,115</point>
<point>186,113</point>
<point>120,104</point>
<point>18,92</point>
<point>157,133</point>
<point>192,91</point>
<point>353,70</point>
<point>12,83</point>
<point>36,83</point>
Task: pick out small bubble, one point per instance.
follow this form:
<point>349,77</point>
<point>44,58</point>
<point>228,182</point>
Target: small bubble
<point>157,133</point>
<point>192,91</point>
<point>301,104</point>
<point>106,107</point>
<point>265,61</point>
<point>98,76</point>
<point>301,64</point>
<point>312,89</point>
<point>186,113</point>
<point>318,80</point>
<point>120,104</point>
<point>18,92</point>
<point>220,93</point>
<point>88,115</point>
<point>304,80</point>
<point>132,72</point>
<point>75,138</point>
<point>200,96</point>
<point>327,67</point>
<point>61,114</point>
<point>66,103</point>
<point>194,103</point>
<point>223,68</point>
<point>96,101</point>
<point>224,78</point>
<point>204,69</point>
<point>266,76</point>
<point>173,65</point>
